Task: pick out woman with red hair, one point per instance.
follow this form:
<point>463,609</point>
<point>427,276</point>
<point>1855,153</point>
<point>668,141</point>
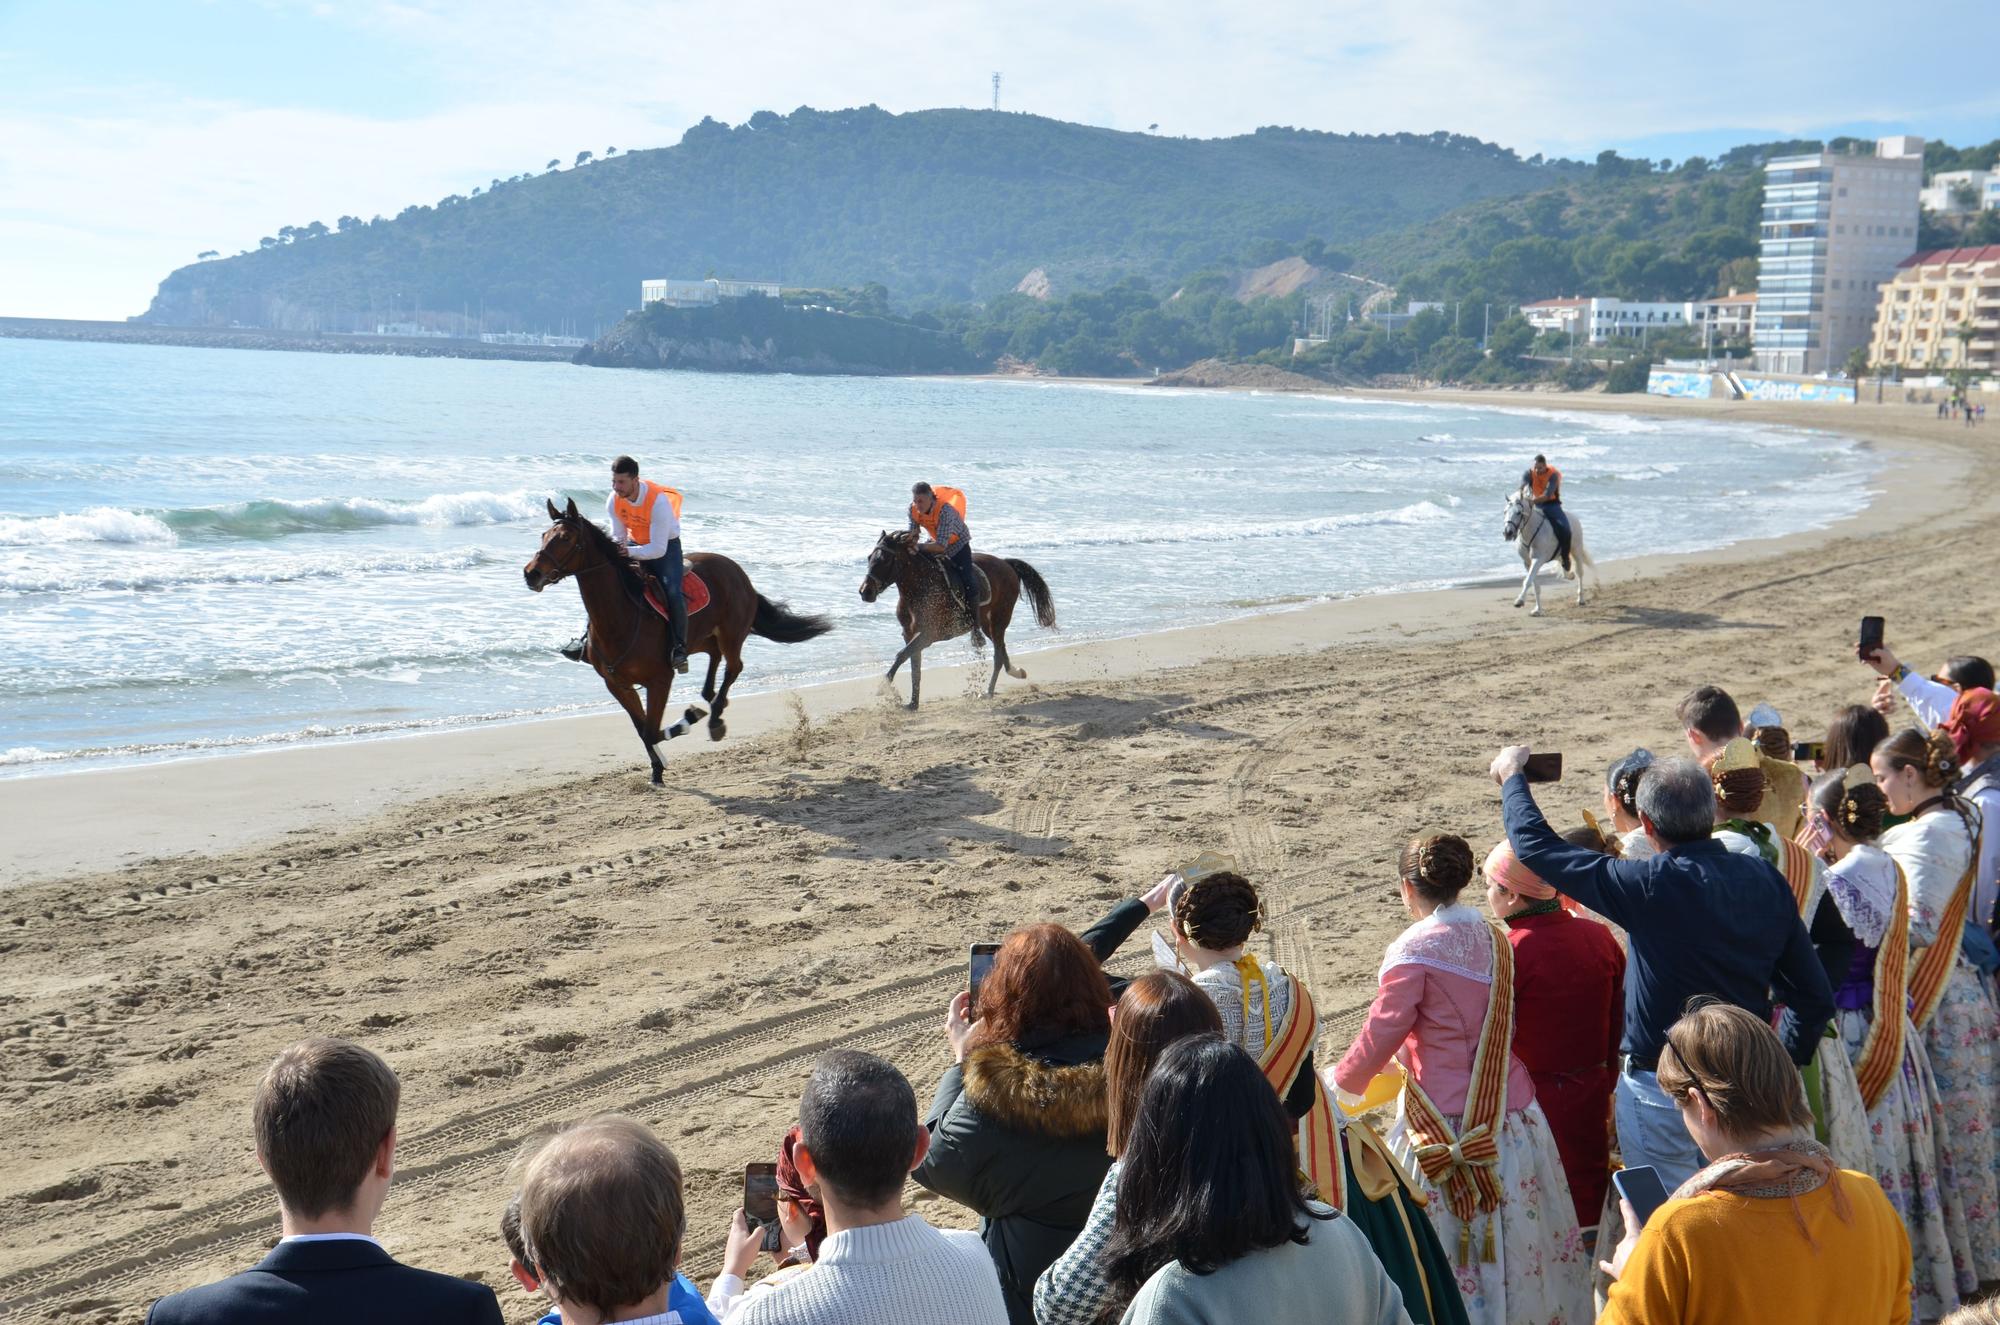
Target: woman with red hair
<point>1018,1124</point>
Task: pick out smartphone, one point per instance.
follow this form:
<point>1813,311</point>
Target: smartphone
<point>1544,768</point>
<point>976,968</point>
<point>1642,1187</point>
<point>760,1193</point>
<point>1870,642</point>
<point>1808,752</point>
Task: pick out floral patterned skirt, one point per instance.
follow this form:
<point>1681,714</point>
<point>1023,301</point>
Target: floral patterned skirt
<point>1903,1129</point>
<point>1963,1045</point>
<point>1540,1273</point>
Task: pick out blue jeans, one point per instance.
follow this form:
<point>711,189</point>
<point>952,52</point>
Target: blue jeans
<point>1558,521</point>
<point>1650,1130</point>
<point>667,569</point>
<point>960,564</point>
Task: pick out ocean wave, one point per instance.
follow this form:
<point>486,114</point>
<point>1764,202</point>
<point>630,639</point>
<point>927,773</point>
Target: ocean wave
<point>141,580</point>
<point>1422,512</point>
<point>275,518</point>
<point>93,524</point>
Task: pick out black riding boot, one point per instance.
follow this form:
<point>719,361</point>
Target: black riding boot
<point>574,650</point>
<point>677,629</point>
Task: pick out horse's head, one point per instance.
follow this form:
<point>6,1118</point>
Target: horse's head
<point>563,551</point>
<point>889,549</point>
<point>1516,511</point>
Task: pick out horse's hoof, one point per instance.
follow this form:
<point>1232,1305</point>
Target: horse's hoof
<point>693,715</point>
<point>659,778</point>
<point>1536,612</point>
<point>910,707</point>
<point>717,729</point>
<point>1018,673</point>
<point>1519,601</point>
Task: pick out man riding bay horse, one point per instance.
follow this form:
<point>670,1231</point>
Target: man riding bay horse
<point>645,518</point>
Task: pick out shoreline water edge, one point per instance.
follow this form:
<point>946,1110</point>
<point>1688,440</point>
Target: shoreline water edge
<point>170,807</point>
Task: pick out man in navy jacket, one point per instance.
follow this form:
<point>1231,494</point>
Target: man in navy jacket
<point>325,1119</point>
<point>1701,922</point>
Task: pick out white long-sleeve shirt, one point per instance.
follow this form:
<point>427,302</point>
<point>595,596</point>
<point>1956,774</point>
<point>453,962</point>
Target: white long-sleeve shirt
<point>1931,701</point>
<point>905,1273</point>
<point>666,527</point>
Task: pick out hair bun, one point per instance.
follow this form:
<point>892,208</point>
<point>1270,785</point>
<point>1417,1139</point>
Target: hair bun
<point>1943,759</point>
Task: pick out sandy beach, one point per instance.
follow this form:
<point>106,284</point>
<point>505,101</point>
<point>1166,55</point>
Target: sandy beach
<point>529,932</point>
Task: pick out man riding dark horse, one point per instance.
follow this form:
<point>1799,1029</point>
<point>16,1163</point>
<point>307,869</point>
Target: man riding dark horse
<point>645,518</point>
<point>1544,483</point>
<point>951,540</point>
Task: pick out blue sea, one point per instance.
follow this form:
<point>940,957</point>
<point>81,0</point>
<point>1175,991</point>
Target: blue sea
<point>213,550</point>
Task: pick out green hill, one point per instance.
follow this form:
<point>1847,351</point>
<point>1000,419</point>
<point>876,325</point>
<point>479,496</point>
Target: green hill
<point>940,206</point>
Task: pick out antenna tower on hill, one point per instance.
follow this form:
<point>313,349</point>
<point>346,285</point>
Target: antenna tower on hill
<point>996,89</point>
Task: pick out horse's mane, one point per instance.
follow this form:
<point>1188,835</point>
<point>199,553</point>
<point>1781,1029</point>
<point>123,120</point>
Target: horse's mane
<point>607,547</point>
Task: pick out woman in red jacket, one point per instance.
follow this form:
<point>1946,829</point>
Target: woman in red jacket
<point>1569,1012</point>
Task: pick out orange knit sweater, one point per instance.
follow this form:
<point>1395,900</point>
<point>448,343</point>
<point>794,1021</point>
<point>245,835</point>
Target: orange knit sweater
<point>1721,1259</point>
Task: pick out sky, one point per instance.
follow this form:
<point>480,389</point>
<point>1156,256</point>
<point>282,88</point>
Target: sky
<point>135,134</point>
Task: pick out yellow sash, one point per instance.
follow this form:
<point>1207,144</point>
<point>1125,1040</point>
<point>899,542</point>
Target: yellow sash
<point>1881,1056</point>
<point>1463,1163</point>
<point>1933,966</point>
<point>1285,1050</point>
<point>1796,864</point>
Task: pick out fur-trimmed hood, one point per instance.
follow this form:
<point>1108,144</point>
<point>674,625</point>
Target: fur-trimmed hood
<point>1062,1100</point>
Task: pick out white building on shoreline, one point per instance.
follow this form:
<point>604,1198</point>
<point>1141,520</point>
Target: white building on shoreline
<point>696,294</point>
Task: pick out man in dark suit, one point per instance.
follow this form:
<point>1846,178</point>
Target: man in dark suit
<point>325,1118</point>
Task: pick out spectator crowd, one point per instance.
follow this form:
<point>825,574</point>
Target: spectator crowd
<point>1727,1052</point>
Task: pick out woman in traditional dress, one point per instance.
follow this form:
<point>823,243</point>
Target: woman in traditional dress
<point>1569,1014</point>
<point>1738,773</point>
<point>1951,1004</point>
<point>1468,1120</point>
<point>1621,804</point>
<point>1893,1074</point>
<point>1268,1013</point>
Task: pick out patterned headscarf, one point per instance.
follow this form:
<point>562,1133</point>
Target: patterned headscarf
<point>791,1188</point>
<point>1505,868</point>
<point>1974,721</point>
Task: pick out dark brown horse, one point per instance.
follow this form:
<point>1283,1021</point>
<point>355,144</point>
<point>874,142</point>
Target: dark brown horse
<point>628,639</point>
<point>929,613</point>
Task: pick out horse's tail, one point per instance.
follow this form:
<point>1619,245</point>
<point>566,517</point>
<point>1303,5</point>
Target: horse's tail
<point>776,622</point>
<point>1038,593</point>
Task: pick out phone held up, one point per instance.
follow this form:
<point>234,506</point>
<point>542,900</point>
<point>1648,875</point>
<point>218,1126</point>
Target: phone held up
<point>1870,642</point>
<point>760,1201</point>
<point>1544,768</point>
<point>1643,1188</point>
<point>1809,752</point>
<point>980,962</point>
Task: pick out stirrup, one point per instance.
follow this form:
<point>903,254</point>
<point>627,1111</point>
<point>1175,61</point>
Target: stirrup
<point>574,649</point>
<point>680,661</point>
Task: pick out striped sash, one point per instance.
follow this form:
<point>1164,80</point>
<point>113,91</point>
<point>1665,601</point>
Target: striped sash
<point>1796,864</point>
<point>1463,1164</point>
<point>1933,966</point>
<point>1881,1055</point>
<point>1283,1057</point>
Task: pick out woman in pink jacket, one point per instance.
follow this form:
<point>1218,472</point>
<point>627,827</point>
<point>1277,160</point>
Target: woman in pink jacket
<point>1467,1122</point>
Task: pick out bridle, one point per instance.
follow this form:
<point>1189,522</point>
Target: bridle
<point>882,548</point>
<point>1525,527</point>
<point>570,572</point>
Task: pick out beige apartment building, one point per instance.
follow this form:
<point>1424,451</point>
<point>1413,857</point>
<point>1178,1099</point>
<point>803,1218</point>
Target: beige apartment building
<point>1940,312</point>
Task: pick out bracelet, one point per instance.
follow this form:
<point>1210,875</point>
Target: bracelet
<point>1902,671</point>
<point>799,1255</point>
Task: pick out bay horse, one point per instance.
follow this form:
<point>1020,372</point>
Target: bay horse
<point>929,612</point>
<point>625,630</point>
<point>1531,535</point>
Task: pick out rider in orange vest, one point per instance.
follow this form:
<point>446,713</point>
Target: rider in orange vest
<point>645,518</point>
<point>951,540</point>
<point>1544,481</point>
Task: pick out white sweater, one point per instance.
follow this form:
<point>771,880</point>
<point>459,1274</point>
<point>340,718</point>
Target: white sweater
<point>905,1273</point>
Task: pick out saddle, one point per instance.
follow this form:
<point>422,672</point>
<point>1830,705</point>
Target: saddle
<point>693,588</point>
<point>979,577</point>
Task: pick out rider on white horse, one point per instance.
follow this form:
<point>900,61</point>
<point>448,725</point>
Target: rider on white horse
<point>1545,482</point>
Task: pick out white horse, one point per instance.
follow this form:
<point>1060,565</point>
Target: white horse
<point>1528,526</point>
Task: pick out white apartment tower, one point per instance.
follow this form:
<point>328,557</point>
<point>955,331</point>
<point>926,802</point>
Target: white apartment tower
<point>1835,225</point>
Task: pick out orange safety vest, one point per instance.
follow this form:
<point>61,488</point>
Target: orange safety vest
<point>951,497</point>
<point>1540,483</point>
<point>637,517</point>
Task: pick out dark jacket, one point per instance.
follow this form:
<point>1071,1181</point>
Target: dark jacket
<point>1699,920</point>
<point>1017,1135</point>
<point>330,1283</point>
